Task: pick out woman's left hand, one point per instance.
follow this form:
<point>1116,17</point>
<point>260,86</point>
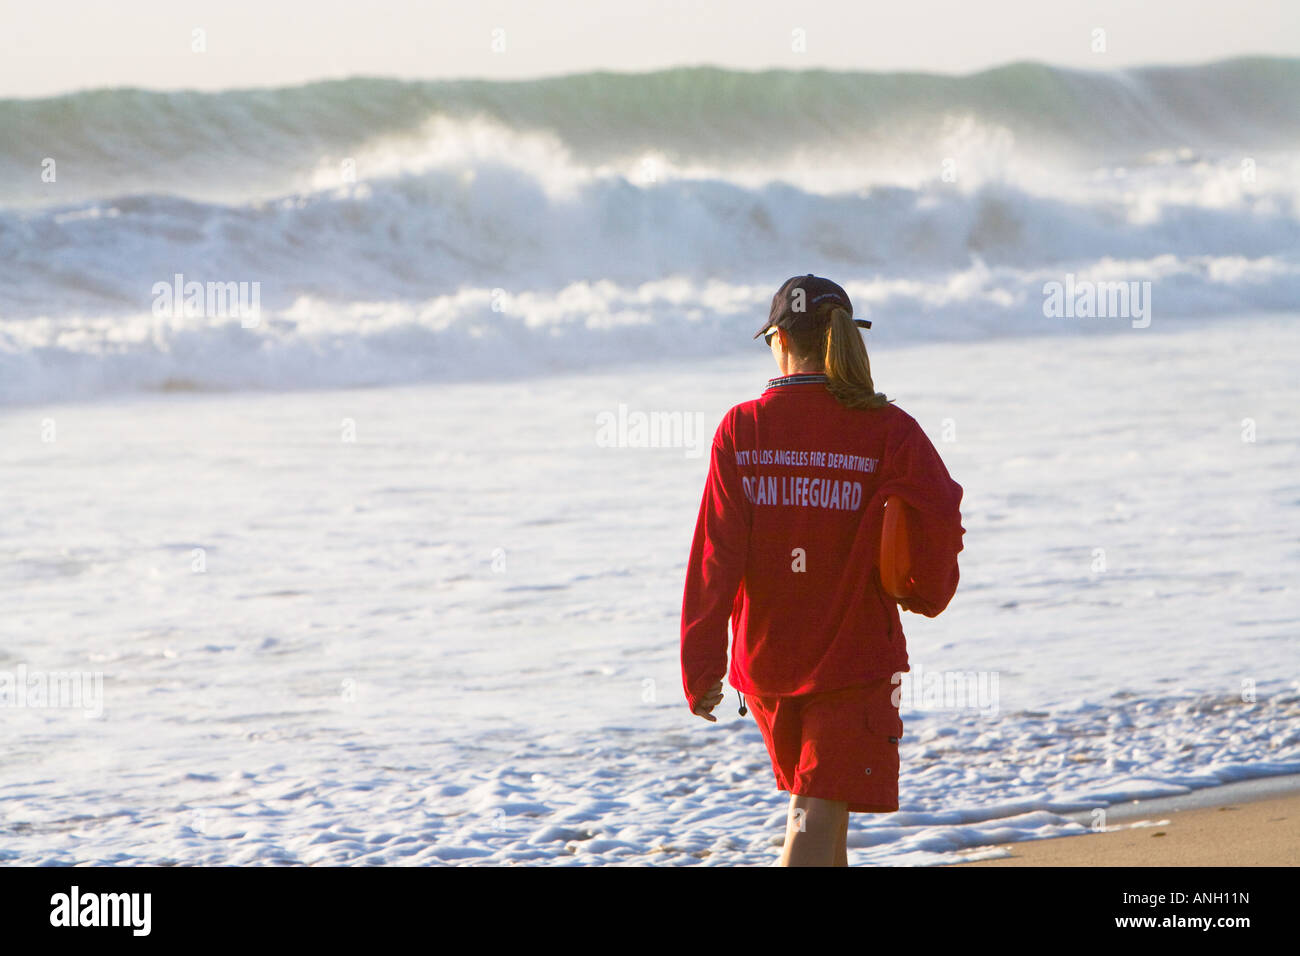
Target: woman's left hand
<point>712,698</point>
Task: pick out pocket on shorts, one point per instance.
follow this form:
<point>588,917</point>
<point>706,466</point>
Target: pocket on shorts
<point>883,719</point>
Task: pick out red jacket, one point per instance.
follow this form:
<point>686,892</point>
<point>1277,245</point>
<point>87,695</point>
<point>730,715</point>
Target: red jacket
<point>787,543</point>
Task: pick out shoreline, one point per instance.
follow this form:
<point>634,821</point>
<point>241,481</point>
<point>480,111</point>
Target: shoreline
<point>1247,823</point>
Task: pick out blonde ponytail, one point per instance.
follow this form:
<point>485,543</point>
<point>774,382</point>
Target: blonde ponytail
<point>847,367</point>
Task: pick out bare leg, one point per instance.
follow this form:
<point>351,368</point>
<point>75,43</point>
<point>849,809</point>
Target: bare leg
<point>842,849</point>
<point>814,832</point>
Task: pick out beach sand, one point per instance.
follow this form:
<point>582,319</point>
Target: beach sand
<point>1264,832</point>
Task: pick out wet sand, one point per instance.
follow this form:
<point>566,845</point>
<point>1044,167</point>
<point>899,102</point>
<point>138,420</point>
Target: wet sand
<point>1253,832</point>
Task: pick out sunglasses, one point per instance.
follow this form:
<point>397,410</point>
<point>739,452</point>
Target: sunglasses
<point>767,336</point>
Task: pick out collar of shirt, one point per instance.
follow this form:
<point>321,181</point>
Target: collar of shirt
<point>801,379</point>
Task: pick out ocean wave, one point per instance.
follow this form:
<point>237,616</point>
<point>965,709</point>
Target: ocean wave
<point>415,237</point>
<point>241,144</point>
<point>400,231</point>
<point>482,334</point>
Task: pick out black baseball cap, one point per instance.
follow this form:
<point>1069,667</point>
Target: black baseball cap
<point>792,306</point>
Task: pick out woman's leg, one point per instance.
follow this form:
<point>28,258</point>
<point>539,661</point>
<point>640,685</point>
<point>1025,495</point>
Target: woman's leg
<point>842,850</point>
<point>814,832</point>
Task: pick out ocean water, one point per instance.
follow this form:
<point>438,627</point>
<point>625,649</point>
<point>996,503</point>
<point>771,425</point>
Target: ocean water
<point>364,581</point>
<point>439,623</point>
<point>400,232</point>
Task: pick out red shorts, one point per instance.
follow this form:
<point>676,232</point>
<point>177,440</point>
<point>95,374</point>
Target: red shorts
<point>835,745</point>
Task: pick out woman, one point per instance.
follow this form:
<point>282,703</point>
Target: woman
<point>787,548</point>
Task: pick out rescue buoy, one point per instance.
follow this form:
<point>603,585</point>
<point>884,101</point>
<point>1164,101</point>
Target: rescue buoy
<point>896,550</point>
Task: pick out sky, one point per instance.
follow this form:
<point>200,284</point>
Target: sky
<point>65,45</point>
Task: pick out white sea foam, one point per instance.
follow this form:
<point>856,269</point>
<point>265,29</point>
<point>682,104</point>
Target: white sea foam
<point>452,640</point>
<point>405,232</point>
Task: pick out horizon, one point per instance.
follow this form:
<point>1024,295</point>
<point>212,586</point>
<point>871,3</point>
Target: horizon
<point>352,77</point>
<point>209,46</point>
